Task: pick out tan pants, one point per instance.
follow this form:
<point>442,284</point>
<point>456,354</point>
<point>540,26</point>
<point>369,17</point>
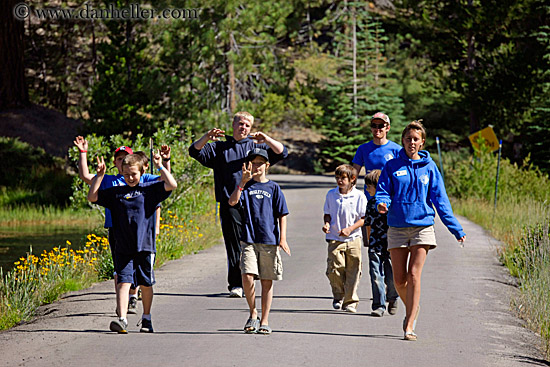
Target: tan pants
<point>344,270</point>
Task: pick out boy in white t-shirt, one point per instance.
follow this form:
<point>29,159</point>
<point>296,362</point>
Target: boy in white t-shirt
<point>344,215</point>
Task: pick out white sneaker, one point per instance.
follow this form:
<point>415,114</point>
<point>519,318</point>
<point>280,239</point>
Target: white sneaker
<point>236,292</point>
<point>351,309</point>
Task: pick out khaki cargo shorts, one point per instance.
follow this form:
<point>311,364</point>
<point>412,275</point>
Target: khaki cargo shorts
<point>411,236</point>
<point>264,261</point>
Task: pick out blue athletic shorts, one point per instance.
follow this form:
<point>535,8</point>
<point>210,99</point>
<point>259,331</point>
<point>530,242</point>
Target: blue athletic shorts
<point>135,268</point>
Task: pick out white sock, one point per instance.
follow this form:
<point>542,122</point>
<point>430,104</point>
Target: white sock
<point>146,317</point>
<point>123,319</point>
<point>133,296</point>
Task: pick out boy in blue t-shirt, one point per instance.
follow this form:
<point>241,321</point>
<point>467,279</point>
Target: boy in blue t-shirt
<point>117,180</point>
<point>264,231</point>
<point>133,209</point>
<point>380,268</point>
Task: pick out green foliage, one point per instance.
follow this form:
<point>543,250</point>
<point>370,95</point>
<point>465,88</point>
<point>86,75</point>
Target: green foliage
<point>31,176</point>
<point>538,131</point>
<point>476,177</point>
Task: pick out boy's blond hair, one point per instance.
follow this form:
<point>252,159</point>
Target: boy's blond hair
<point>347,170</point>
<point>143,157</point>
<point>133,160</point>
<point>371,178</point>
<point>243,115</point>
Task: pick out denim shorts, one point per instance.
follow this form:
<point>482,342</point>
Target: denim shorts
<point>135,268</point>
<point>263,261</point>
<point>411,236</point>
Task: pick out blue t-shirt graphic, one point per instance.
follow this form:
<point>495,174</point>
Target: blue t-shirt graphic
<point>263,204</point>
<point>118,180</point>
<point>133,214</point>
<point>373,156</point>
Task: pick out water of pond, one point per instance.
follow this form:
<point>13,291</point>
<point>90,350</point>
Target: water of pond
<point>16,241</point>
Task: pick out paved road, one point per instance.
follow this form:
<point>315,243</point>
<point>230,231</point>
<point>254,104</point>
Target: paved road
<point>464,321</point>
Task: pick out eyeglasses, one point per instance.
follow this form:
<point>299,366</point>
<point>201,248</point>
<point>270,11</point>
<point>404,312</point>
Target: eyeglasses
<point>377,126</point>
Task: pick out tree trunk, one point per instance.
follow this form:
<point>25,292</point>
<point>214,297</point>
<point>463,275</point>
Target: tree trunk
<point>470,66</point>
<point>232,88</point>
<point>13,88</point>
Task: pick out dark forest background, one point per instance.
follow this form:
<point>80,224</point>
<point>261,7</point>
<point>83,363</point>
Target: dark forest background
<point>321,65</point>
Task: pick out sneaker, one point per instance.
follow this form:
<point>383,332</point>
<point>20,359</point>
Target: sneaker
<point>146,326</point>
<point>132,305</point>
<point>120,326</point>
<point>139,294</point>
<point>379,312</point>
<point>351,308</point>
<point>392,307</point>
<point>236,292</point>
<point>337,304</point>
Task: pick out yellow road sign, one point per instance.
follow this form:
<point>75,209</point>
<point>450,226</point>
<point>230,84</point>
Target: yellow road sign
<point>488,136</point>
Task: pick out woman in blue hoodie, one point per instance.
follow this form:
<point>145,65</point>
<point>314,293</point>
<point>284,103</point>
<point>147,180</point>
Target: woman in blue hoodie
<point>409,189</point>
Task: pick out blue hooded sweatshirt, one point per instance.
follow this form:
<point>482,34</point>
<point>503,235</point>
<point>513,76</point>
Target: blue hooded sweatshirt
<point>411,189</point>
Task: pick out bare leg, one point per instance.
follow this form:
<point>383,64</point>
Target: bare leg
<point>399,259</point>
<point>267,298</point>
<point>147,299</point>
<point>122,298</point>
<point>250,294</point>
<point>133,291</point>
<point>416,264</point>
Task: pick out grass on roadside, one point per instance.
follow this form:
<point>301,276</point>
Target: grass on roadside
<point>521,221</point>
<point>27,214</point>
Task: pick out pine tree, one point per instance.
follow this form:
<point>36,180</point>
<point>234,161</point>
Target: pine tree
<point>539,129</point>
<point>365,85</point>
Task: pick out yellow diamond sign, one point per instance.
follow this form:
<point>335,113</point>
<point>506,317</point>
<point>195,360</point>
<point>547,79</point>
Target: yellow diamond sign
<point>488,136</point>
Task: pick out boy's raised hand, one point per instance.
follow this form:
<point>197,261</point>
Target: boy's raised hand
<point>247,172</point>
<point>382,208</point>
<point>101,167</point>
<point>165,151</point>
<point>81,143</point>
<point>215,134</point>
<point>157,159</point>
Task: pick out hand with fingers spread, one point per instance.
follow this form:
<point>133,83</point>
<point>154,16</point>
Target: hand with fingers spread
<point>259,137</point>
<point>165,151</point>
<point>81,144</point>
<point>247,173</point>
<point>215,134</point>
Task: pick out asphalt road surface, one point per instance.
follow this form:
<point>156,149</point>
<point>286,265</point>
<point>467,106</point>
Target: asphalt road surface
<point>465,317</point>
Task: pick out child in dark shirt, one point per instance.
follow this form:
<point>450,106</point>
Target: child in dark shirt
<point>133,210</point>
<point>264,232</point>
<point>380,270</point>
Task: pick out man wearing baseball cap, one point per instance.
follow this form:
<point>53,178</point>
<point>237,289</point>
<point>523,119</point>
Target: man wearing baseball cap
<point>374,155</point>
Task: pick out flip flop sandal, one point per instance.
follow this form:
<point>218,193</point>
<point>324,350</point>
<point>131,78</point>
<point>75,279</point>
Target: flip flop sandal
<point>410,336</point>
<point>265,330</point>
<point>251,326</point>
